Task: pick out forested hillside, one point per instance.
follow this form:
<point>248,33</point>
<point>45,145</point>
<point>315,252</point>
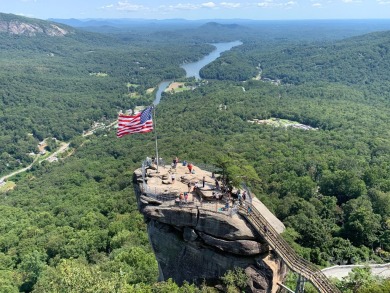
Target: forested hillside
<point>73,225</point>
<point>54,86</point>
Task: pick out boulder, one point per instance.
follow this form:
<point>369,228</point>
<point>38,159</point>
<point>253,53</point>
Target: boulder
<point>223,226</point>
<point>193,261</point>
<point>174,216</point>
<point>239,247</point>
<point>195,243</point>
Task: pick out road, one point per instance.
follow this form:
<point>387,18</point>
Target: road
<point>62,149</point>
<point>339,272</point>
<point>64,146</point>
<point>18,171</point>
<point>92,131</point>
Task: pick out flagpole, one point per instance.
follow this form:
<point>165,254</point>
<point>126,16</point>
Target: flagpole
<point>155,133</point>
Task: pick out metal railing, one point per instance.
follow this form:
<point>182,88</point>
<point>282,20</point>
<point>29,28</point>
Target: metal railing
<point>296,263</point>
<point>289,256</point>
<point>162,194</point>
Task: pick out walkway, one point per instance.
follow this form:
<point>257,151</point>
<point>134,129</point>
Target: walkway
<point>289,256</point>
<point>257,219</point>
<point>339,272</point>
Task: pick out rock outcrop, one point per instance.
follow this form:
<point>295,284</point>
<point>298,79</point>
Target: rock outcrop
<point>197,242</point>
<point>18,25</point>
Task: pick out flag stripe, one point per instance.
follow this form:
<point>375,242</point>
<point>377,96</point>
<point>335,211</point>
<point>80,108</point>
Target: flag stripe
<point>139,123</point>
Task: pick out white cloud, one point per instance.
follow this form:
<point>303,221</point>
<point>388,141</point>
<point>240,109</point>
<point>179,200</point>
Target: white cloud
<point>230,5</point>
<point>181,6</point>
<point>317,5</point>
<point>381,2</point>
<point>209,5</point>
<point>266,3</point>
<point>352,1</point>
<point>107,6</point>
<point>271,3</point>
<point>124,6</point>
<point>127,6</point>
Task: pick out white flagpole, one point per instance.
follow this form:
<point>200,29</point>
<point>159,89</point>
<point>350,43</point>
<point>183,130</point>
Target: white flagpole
<point>155,133</point>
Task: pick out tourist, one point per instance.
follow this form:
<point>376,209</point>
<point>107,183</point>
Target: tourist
<point>244,195</point>
<point>239,197</point>
<point>189,186</point>
<point>189,166</point>
<point>173,178</point>
<point>174,162</point>
<point>203,181</point>
<point>186,196</point>
<point>248,211</point>
<point>216,184</point>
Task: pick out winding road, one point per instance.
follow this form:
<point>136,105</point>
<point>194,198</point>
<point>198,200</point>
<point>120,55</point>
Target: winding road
<point>63,148</point>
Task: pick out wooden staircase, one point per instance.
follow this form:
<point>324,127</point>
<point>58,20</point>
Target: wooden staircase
<point>288,255</point>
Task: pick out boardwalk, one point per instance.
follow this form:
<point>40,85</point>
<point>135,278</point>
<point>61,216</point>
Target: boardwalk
<point>261,219</point>
<point>289,256</point>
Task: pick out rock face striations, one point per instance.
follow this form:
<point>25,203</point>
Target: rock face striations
<point>199,241</point>
<point>18,25</point>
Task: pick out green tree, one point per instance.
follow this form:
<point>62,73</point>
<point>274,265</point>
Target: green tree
<point>345,185</point>
<point>235,280</point>
<point>361,223</point>
<point>76,276</point>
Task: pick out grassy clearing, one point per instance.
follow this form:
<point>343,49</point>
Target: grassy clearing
<point>132,85</point>
<point>177,87</point>
<point>98,74</point>
<point>9,185</point>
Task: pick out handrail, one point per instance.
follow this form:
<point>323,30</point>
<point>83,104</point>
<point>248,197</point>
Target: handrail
<point>289,256</point>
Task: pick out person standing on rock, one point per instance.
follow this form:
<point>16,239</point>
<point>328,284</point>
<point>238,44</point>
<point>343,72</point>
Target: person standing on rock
<point>189,166</point>
<point>203,181</point>
<point>189,186</point>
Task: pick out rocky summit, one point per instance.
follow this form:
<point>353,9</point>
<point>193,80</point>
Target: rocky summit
<point>198,238</point>
<point>18,25</point>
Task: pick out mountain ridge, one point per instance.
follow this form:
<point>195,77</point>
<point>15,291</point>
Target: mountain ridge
<point>19,25</point>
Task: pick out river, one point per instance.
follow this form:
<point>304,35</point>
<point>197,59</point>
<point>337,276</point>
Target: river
<point>192,69</point>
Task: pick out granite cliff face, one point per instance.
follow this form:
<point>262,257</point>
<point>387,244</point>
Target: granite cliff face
<point>17,25</point>
<point>195,242</point>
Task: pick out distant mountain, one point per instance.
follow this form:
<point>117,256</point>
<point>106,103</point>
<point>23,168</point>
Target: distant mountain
<point>221,25</point>
<point>19,25</point>
<point>120,22</point>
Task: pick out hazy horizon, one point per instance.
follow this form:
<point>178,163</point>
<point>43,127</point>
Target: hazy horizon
<point>278,10</point>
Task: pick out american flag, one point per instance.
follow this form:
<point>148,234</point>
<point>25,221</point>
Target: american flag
<point>139,123</point>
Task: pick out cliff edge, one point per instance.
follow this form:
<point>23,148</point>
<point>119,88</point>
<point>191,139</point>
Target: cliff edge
<point>198,236</point>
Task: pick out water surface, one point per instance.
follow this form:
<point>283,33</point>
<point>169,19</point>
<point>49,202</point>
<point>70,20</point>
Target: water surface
<point>192,69</point>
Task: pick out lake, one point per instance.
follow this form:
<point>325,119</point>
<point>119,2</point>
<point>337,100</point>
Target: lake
<point>192,69</point>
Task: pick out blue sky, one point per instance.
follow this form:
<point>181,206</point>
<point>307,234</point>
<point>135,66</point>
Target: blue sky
<point>200,9</point>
